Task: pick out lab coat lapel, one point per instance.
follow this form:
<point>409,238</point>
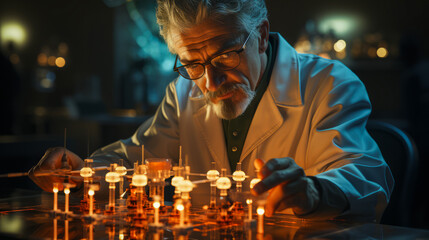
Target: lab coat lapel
<point>284,90</point>
<point>211,129</point>
<point>266,121</point>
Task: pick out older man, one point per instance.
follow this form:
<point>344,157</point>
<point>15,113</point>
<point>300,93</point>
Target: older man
<point>244,95</point>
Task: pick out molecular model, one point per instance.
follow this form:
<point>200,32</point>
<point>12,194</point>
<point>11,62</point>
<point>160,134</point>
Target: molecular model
<point>140,203</point>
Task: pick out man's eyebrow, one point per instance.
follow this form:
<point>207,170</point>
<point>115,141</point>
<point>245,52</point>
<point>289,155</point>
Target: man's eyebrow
<point>226,46</point>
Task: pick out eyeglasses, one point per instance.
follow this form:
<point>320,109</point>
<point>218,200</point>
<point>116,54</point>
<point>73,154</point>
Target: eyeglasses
<point>224,61</point>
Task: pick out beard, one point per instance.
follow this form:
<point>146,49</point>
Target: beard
<point>233,106</point>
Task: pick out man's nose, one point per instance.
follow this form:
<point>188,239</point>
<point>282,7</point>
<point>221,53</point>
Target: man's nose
<point>214,78</point>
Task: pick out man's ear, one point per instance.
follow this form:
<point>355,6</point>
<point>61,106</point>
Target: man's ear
<point>264,32</point>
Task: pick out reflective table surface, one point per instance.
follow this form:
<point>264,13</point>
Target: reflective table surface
<point>29,215</point>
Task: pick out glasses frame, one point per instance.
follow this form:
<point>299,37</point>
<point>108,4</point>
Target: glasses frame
<point>209,61</point>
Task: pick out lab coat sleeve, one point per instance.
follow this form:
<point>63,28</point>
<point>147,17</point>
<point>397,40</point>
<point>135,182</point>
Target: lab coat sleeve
<point>159,135</point>
<point>342,156</point>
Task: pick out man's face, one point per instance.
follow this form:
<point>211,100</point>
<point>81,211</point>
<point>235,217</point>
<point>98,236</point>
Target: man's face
<point>228,91</point>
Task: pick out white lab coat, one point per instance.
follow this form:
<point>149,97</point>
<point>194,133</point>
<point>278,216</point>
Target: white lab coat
<point>314,110</point>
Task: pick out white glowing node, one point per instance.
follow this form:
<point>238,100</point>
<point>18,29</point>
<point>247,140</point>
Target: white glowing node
<point>176,180</point>
<point>112,177</point>
<point>239,176</point>
<point>91,192</point>
<point>139,180</point>
<point>260,211</point>
<point>180,207</point>
<point>249,201</point>
<point>86,172</point>
<point>156,204</point>
<point>55,190</point>
<point>254,182</point>
<point>66,191</point>
<point>121,170</point>
<point>223,183</point>
<point>213,175</point>
<point>185,186</point>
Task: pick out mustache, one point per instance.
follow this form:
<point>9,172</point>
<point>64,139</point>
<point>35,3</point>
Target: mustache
<point>224,89</point>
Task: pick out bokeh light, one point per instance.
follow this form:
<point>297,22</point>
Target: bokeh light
<point>13,32</point>
<point>382,52</point>
<point>340,45</point>
<point>60,62</point>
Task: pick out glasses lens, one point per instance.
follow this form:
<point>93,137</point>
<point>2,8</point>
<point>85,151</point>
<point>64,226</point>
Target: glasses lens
<point>193,71</point>
<point>182,71</point>
<point>226,61</point>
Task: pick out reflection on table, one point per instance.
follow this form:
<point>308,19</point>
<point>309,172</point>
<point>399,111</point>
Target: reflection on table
<point>27,215</point>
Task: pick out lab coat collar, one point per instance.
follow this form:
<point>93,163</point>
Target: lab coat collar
<point>285,85</point>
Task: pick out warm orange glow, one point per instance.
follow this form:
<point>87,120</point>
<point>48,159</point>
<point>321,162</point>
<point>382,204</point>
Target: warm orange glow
<point>158,164</point>
<point>156,204</point>
<point>51,60</point>
<point>42,59</point>
<point>324,55</point>
<point>91,192</point>
<point>372,52</point>
<point>55,190</point>
<point>67,191</point>
<point>249,201</point>
<point>60,62</point>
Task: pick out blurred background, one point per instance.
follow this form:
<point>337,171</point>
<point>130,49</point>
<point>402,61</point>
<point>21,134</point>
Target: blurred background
<point>97,69</point>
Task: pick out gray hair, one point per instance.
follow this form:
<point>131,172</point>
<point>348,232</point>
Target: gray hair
<point>183,14</point>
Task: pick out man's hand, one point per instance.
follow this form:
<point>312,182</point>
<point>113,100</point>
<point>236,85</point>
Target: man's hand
<point>52,161</point>
<point>288,186</point>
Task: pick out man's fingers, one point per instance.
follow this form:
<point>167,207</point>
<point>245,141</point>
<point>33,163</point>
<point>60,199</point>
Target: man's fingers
<point>276,178</point>
<point>275,164</point>
<point>44,174</point>
<point>273,200</point>
<point>282,196</point>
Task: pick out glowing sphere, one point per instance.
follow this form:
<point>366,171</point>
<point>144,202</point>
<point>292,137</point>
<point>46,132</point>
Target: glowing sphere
<point>223,183</point>
<point>55,190</point>
<point>382,52</point>
<point>213,175</point>
<point>156,204</point>
<point>176,180</point>
<point>86,172</point>
<point>249,201</point>
<point>139,180</point>
<point>121,170</point>
<point>180,207</point>
<point>185,186</point>
<point>60,62</point>
<point>260,211</point>
<point>254,182</point>
<point>112,177</point>
<point>66,191</point>
<point>239,176</point>
<point>91,192</point>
